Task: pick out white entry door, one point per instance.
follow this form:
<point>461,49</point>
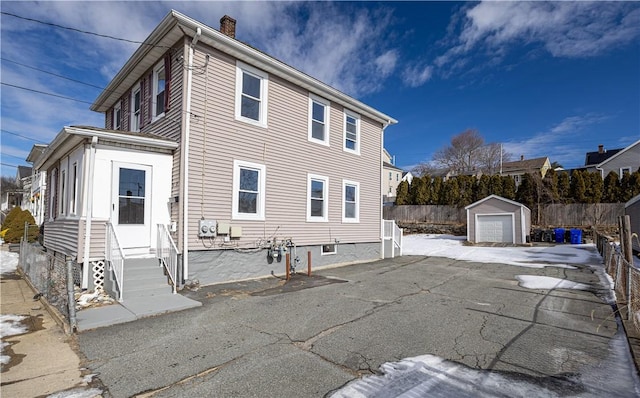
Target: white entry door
<point>495,228</point>
<point>131,204</point>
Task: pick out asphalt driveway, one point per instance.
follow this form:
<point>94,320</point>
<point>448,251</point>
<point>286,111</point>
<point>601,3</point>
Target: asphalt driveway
<point>312,336</point>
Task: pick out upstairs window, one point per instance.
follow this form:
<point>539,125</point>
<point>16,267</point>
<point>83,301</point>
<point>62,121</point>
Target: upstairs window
<point>248,190</point>
<point>136,102</point>
<point>318,120</point>
<point>159,81</point>
<point>351,132</point>
<point>251,95</point>
<point>117,116</point>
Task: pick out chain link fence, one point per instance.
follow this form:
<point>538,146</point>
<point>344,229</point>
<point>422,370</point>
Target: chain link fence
<point>625,276</point>
<point>48,275</point>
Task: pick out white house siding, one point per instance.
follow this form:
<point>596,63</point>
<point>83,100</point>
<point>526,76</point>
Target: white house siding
<point>160,183</point>
<point>632,209</point>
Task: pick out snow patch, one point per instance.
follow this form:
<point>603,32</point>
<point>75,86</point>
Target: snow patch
<point>10,325</point>
<point>8,262</point>
<point>561,256</point>
<point>548,282</point>
<point>77,393</point>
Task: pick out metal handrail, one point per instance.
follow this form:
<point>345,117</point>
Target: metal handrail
<point>115,258</point>
<point>167,252</point>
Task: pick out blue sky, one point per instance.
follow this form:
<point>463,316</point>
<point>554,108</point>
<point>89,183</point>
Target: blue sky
<point>544,79</point>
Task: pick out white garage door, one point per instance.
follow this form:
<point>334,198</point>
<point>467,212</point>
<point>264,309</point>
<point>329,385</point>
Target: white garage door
<point>494,228</point>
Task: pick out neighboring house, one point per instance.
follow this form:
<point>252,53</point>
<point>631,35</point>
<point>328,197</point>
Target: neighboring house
<point>407,176</point>
<point>23,179</point>
<point>519,168</point>
<point>35,204</point>
<point>391,177</point>
<point>623,160</point>
<point>239,156</point>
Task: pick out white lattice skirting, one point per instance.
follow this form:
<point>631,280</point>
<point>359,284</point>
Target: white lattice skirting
<point>98,273</point>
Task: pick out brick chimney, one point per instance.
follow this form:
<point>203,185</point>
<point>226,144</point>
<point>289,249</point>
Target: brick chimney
<point>228,26</point>
<point>600,148</point>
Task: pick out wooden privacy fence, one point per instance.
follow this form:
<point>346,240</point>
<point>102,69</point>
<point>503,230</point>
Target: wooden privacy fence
<point>577,214</point>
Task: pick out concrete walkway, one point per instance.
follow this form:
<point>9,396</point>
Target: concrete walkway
<point>41,360</point>
<point>132,309</point>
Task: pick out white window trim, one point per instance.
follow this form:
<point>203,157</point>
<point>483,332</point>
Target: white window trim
<point>157,69</point>
<point>323,253</point>
<point>117,119</point>
<point>73,197</point>
<point>623,169</point>
<point>356,219</point>
<point>241,68</point>
<point>53,211</point>
<point>63,192</point>
<point>260,206</point>
<point>327,110</point>
<point>132,102</point>
<point>325,198</point>
<point>344,132</point>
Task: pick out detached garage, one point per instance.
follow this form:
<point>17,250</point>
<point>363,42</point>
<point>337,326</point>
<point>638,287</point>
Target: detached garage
<point>497,219</point>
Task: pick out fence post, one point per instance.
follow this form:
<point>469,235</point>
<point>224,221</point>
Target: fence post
<point>70,292</point>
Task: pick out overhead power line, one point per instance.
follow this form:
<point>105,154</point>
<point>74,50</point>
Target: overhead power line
<point>45,93</point>
<point>22,136</point>
<point>51,73</point>
<point>78,30</point>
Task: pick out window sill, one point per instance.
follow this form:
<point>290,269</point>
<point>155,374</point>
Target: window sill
<point>317,219</point>
<point>252,122</point>
<point>319,142</point>
<point>351,151</point>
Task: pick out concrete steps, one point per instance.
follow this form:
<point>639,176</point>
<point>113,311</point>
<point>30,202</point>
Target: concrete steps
<point>144,277</point>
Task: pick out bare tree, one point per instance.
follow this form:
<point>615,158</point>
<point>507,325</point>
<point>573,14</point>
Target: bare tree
<point>468,152</point>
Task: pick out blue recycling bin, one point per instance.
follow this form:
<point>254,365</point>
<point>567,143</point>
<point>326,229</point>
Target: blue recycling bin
<point>576,236</point>
<point>559,235</point>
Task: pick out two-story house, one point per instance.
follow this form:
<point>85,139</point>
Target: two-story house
<point>38,185</point>
<point>236,156</point>
<point>621,160</point>
<point>391,177</point>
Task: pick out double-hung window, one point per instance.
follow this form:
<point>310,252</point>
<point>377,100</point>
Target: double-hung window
<point>317,198</point>
<point>136,111</point>
<point>319,120</point>
<point>351,199</point>
<point>251,94</point>
<point>159,82</point>
<point>117,116</point>
<point>351,132</point>
<point>73,198</point>
<point>248,190</point>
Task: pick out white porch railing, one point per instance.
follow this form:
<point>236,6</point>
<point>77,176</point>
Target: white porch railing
<point>394,234</point>
<point>167,252</point>
<point>115,258</point>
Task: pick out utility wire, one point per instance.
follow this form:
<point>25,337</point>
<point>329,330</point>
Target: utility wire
<point>13,156</point>
<point>22,136</point>
<point>51,73</point>
<point>45,93</point>
<point>79,30</point>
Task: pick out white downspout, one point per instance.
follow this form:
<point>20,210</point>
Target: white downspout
<point>384,126</point>
<point>89,214</point>
<point>185,158</point>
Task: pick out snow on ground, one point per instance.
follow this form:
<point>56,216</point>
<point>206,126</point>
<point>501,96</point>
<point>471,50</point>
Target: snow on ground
<point>10,325</point>
<point>533,257</point>
<point>77,393</point>
<point>432,376</point>
<point>8,262</point>
<point>548,282</point>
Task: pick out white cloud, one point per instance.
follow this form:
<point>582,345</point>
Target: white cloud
<point>492,30</point>
<point>557,142</point>
<point>417,75</point>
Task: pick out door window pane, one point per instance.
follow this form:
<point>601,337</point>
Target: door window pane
<point>131,191</point>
